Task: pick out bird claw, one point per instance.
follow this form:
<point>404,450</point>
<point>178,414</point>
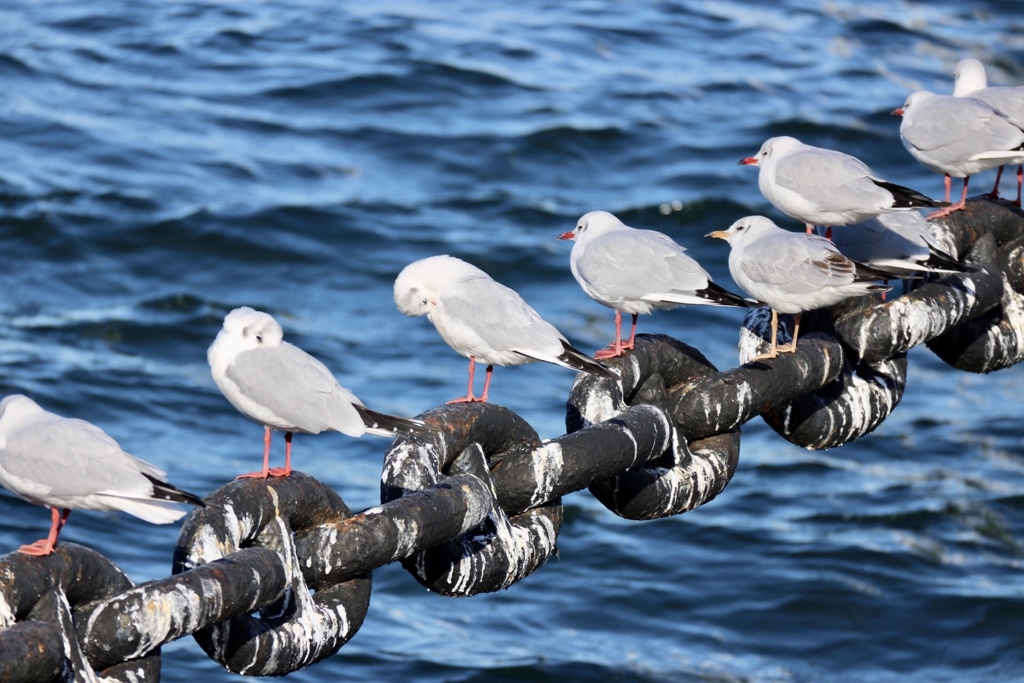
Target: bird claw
<point>262,474</point>
<point>944,212</point>
<point>40,548</point>
<point>468,399</point>
<point>614,350</point>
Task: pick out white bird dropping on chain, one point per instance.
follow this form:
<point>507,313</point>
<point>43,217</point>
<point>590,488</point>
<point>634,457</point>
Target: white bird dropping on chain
<point>971,81</point>
<point>958,137</point>
<point>792,272</point>
<point>282,387</point>
<point>637,271</point>
<point>824,187</point>
<point>69,464</point>
<point>483,319</point>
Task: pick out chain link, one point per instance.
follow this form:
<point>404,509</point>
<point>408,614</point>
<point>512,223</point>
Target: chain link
<point>274,574</point>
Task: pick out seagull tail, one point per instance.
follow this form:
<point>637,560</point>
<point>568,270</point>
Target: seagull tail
<point>382,424</point>
<point>164,491</point>
<point>577,360</point>
<point>866,273</point>
<point>905,198</point>
<point>723,297</point>
<point>944,263</point>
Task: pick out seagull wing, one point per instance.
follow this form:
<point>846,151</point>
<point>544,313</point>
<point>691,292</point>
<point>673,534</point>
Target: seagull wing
<point>297,388</point>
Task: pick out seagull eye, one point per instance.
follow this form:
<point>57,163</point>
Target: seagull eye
<point>423,302</point>
<point>259,338</point>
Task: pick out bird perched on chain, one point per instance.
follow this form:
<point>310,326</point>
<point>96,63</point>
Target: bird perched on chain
<point>282,387</point>
<point>970,80</point>
<point>484,320</point>
<point>823,187</point>
<point>637,271</point>
<point>958,137</point>
<point>69,464</point>
<point>899,243</point>
<point>792,272</point>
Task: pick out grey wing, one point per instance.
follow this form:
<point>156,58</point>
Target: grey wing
<point>798,265</point>
<point>1009,101</point>
<point>829,179</point>
<point>640,264</point>
<point>64,458</point>
<point>878,242</point>
<point>500,317</point>
<point>956,129</point>
<point>297,388</point>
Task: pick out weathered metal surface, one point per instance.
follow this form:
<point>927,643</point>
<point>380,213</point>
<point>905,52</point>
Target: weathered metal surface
<point>504,547</point>
<point>300,627</point>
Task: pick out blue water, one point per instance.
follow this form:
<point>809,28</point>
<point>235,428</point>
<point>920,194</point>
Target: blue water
<point>164,162</point>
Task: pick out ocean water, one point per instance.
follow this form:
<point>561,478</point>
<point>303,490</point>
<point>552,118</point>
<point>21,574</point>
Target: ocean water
<point>164,162</point>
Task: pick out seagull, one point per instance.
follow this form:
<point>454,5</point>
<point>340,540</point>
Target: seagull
<point>895,242</point>
<point>637,271</point>
<point>282,387</point>
<point>970,81</point>
<point>791,272</point>
<point>958,137</point>
<point>68,464</point>
<point>824,187</point>
<point>484,320</point>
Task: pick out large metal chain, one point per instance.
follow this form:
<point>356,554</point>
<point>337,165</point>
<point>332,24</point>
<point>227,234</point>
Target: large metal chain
<point>274,574</point>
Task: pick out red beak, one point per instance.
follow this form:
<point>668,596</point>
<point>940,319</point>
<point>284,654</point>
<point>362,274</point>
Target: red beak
<point>897,112</point>
<point>566,236</point>
<point>749,161</point>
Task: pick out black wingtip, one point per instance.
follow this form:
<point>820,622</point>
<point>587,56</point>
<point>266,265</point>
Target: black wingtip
<point>399,426</point>
<point>580,361</point>
<point>165,491</point>
<point>906,198</point>
<point>942,261</point>
<point>724,297</point>
<point>866,273</point>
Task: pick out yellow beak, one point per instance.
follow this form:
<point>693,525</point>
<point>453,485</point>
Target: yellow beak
<point>720,234</point>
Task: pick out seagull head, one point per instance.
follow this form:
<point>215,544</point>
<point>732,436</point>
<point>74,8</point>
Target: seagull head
<point>419,284</point>
<point>914,99</point>
<point>745,230</point>
<point>970,76</point>
<point>15,408</point>
<point>592,224</point>
<point>248,328</point>
<point>772,147</point>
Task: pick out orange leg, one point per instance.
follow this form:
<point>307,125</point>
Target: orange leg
<point>487,382</point>
<point>469,397</point>
<point>791,346</point>
<point>616,348</point>
<point>995,188</point>
<point>46,545</point>
<point>287,469</point>
<point>955,207</point>
<point>265,472</point>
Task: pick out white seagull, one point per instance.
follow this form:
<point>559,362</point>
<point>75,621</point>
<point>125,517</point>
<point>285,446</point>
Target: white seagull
<point>792,272</point>
<point>971,81</point>
<point>637,271</point>
<point>824,187</point>
<point>895,242</point>
<point>958,137</point>
<point>68,464</point>
<point>483,319</point>
<point>282,387</point>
